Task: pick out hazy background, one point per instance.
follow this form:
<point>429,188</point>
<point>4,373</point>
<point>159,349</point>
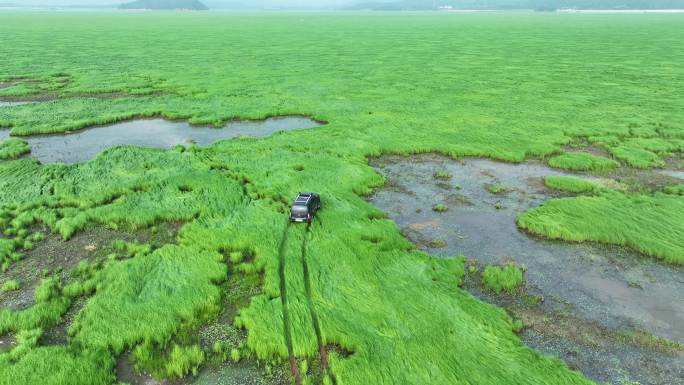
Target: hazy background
<point>383,4</point>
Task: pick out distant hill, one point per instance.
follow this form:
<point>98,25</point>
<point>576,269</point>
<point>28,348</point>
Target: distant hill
<point>398,5</point>
<point>195,5</point>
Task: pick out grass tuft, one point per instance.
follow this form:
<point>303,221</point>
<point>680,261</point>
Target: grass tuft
<point>571,184</point>
<point>9,285</point>
<point>582,161</point>
<point>496,188</point>
<point>440,208</point>
<point>13,148</point>
<point>442,175</point>
<point>507,278</point>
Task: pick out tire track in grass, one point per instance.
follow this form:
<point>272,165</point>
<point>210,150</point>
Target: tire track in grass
<point>283,298</point>
<point>323,353</point>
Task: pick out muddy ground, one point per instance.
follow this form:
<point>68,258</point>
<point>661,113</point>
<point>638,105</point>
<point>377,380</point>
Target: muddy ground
<point>612,291</point>
<point>53,257</point>
<point>245,372</point>
<point>238,290</point>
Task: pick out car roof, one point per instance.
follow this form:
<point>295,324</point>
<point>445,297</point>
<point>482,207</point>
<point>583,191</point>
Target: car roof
<point>303,198</point>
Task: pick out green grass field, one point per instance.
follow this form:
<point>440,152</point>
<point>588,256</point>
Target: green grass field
<point>505,86</point>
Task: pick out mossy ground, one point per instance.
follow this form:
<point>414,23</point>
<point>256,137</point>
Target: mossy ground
<point>500,86</point>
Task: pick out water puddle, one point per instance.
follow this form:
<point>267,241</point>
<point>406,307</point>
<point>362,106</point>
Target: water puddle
<point>610,286</point>
<point>12,104</point>
<point>7,342</point>
<point>156,133</point>
<point>674,174</point>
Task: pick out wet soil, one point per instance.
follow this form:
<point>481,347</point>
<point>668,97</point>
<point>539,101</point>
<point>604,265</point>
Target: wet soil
<point>245,372</point>
<point>610,287</point>
<point>156,133</point>
<point>586,147</point>
<point>237,292</point>
<point>610,356</point>
<point>635,180</point>
<point>55,257</point>
<point>7,342</point>
<point>58,334</point>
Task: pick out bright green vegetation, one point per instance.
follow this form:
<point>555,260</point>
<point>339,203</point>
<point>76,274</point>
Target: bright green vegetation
<point>507,278</point>
<point>582,161</point>
<point>401,83</point>
<point>13,148</point>
<point>496,188</point>
<point>31,364</point>
<point>677,190</point>
<point>442,175</point>
<point>440,208</point>
<point>179,362</point>
<point>637,157</point>
<point>10,285</point>
<point>652,225</point>
<point>571,184</point>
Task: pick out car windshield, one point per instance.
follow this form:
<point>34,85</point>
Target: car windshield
<point>299,211</point>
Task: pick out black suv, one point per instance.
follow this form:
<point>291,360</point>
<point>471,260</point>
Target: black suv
<point>304,207</point>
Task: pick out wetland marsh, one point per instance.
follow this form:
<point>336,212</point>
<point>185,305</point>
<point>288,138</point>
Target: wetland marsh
<point>561,143</point>
<point>612,288</point>
<point>153,133</point>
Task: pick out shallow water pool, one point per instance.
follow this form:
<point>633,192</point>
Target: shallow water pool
<point>156,133</point>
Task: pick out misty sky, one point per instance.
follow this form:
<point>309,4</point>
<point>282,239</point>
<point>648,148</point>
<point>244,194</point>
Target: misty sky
<point>255,3</point>
<point>271,4</point>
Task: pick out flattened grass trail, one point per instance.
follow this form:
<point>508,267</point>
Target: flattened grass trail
<point>505,86</point>
<point>283,300</point>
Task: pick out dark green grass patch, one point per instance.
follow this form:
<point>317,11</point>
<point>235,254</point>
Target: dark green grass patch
<point>582,161</point>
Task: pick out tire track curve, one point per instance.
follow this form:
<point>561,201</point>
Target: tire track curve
<point>283,299</point>
<point>322,351</point>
